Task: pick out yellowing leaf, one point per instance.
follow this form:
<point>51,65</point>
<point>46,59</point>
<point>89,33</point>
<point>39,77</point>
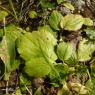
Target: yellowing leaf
<point>69,6</point>
<point>54,20</point>
<point>85,50</point>
<point>81,89</point>
<point>4,53</point>
<point>72,22</point>
<point>7,47</point>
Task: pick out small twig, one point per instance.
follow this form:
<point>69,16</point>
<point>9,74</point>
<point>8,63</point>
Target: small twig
<point>22,7</point>
<point>11,4</point>
<point>88,74</point>
<point>7,87</point>
<point>27,88</point>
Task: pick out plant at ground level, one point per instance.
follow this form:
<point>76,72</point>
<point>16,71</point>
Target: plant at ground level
<point>48,52</point>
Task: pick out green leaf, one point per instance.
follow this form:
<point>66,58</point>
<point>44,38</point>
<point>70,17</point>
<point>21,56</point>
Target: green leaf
<point>92,67</point>
<point>62,69</point>
<point>60,1</point>
<point>37,67</point>
<point>55,19</point>
<point>38,53</point>
<point>15,65</point>
<point>64,90</point>
<point>90,84</point>
<point>3,14</point>
<point>12,31</point>
<point>88,22</point>
<point>69,6</point>
<point>7,53</point>
<point>66,52</point>
<point>49,29</point>
<point>90,33</point>
<point>32,14</point>
<point>17,92</point>
<point>38,42</point>
<point>7,49</point>
<point>46,4</point>
<point>1,33</point>
<point>85,50</point>
<point>45,28</point>
<point>24,80</point>
<point>38,91</point>
<point>72,22</point>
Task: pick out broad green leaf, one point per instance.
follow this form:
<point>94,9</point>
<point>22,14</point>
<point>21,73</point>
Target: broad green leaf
<point>90,33</point>
<point>72,22</point>
<point>69,6</point>
<point>7,46</point>
<point>32,14</point>
<point>55,19</point>
<point>38,42</point>
<point>46,28</point>
<point>49,29</point>
<point>60,1</point>
<point>66,52</point>
<point>38,53</point>
<point>37,67</point>
<point>3,14</point>
<point>88,22</point>
<point>85,50</point>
